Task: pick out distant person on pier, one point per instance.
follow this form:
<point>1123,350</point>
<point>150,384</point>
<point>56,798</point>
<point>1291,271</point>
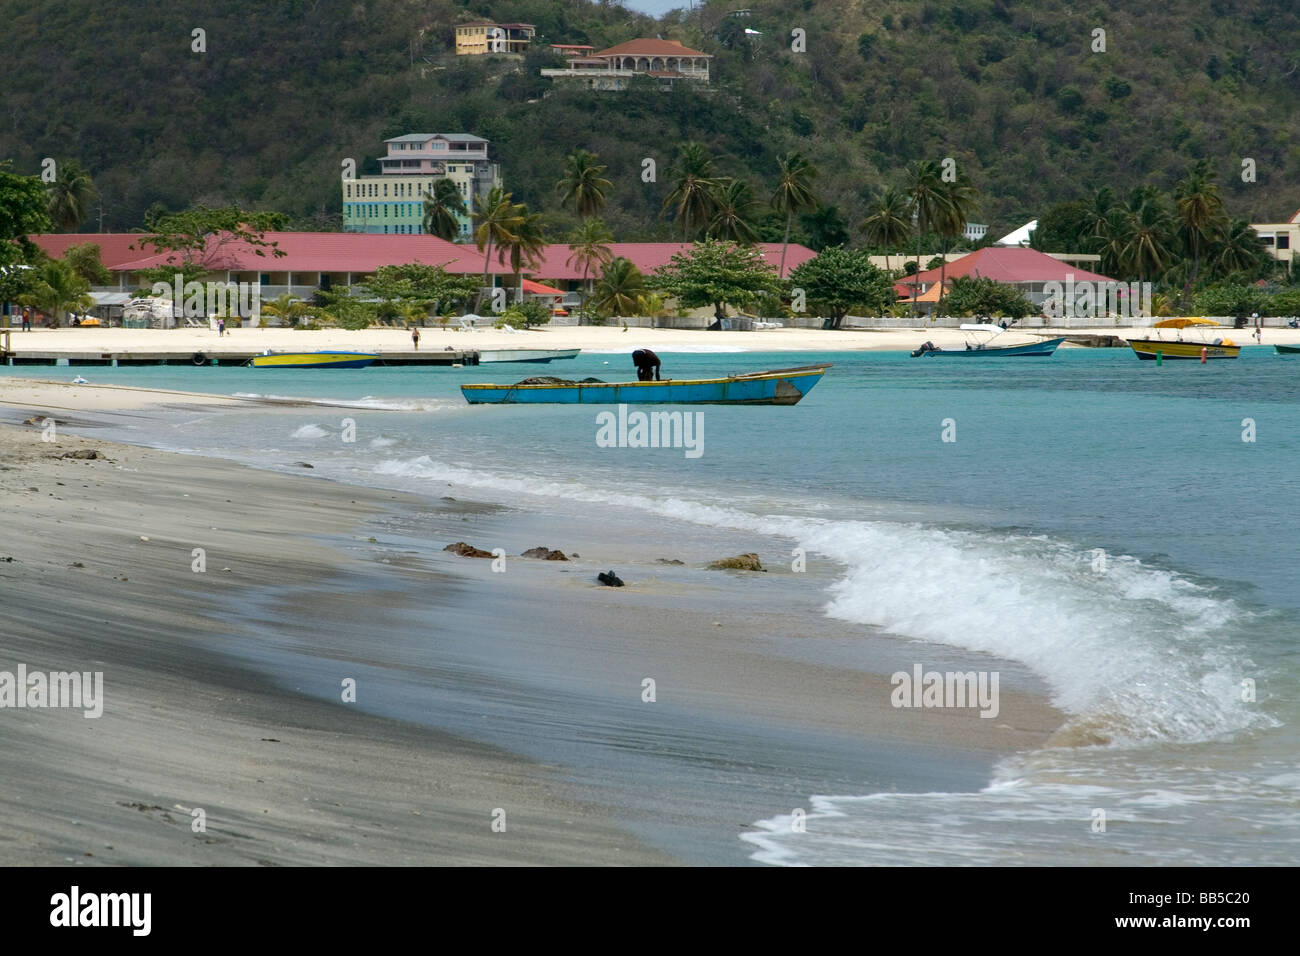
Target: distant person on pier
<point>647,365</point>
<point>27,319</point>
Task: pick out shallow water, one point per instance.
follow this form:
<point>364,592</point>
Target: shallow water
<point>1098,519</point>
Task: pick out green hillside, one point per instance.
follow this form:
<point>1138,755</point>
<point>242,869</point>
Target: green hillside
<point>1013,92</point>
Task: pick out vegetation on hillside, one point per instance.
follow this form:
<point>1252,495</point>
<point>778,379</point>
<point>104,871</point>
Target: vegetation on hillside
<point>1015,94</point>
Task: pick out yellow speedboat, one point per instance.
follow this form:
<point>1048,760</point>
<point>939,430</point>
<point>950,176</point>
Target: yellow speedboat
<point>1218,349</point>
<point>313,359</point>
<point>1179,349</point>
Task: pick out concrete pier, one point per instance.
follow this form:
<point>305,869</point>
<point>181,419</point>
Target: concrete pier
<point>214,357</point>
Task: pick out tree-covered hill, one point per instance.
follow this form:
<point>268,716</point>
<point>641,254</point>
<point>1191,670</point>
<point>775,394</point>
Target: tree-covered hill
<point>1014,92</point>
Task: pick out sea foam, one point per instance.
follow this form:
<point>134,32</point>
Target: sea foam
<point>1133,653</point>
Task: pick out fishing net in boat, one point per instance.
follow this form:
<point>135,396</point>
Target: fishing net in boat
<point>552,380</point>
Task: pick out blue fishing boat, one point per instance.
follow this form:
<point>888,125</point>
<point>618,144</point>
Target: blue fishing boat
<point>1043,348</point>
<point>777,387</point>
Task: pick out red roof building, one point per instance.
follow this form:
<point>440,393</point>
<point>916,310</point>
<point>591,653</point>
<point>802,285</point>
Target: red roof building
<point>314,260</point>
<point>664,61</point>
<point>311,260</point>
<point>114,247</point>
<point>1027,269</point>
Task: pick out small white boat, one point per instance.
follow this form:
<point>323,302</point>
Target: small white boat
<point>525,355</point>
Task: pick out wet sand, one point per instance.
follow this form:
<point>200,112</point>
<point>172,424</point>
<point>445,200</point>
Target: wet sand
<point>476,690</point>
<point>283,777</point>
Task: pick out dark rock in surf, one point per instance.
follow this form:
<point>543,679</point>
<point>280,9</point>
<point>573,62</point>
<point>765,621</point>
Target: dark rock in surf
<point>609,579</point>
<point>467,550</point>
<point>546,554</point>
<point>741,562</point>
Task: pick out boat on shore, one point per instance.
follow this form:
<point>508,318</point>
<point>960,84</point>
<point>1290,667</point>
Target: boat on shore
<point>525,355</point>
<point>1159,348</point>
<point>1287,349</point>
<point>776,387</point>
<point>1044,348</point>
<point>324,359</point>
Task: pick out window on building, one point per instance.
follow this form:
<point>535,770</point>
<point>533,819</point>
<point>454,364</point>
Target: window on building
<point>1284,242</point>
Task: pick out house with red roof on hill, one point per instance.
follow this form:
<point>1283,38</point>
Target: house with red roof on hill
<point>1028,270</point>
<point>666,62</point>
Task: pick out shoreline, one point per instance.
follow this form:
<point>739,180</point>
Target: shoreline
<point>767,731</point>
<point>592,339</point>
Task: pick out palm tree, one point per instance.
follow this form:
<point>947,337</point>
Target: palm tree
<point>442,209</point>
<point>582,184</point>
<point>524,246</point>
<point>793,194</point>
<point>1102,228</point>
<point>693,188</point>
<point>287,307</point>
<point>620,289</point>
<point>734,205</point>
<point>960,201</point>
<point>497,219</point>
<point>413,311</point>
<point>889,223</point>
<point>589,248</point>
<point>1200,211</point>
<point>1238,248</point>
<point>926,202</point>
<point>1144,242</point>
<point>70,196</point>
<point>56,289</point>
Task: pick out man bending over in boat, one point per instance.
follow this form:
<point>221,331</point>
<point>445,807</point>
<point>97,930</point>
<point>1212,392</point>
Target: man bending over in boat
<point>647,365</point>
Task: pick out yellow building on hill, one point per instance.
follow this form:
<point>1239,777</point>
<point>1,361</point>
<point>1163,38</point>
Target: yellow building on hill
<point>483,36</point>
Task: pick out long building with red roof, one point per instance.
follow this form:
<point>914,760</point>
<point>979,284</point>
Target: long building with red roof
<point>316,260</point>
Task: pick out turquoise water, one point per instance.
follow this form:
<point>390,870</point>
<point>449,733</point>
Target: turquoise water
<point>1096,518</point>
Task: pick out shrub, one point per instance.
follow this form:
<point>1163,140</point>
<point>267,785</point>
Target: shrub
<point>533,312</point>
<point>982,296</point>
<point>1286,303</point>
<point>511,318</point>
<point>1229,299</point>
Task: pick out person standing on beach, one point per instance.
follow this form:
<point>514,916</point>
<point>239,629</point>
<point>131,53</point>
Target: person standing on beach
<point>1259,328</point>
<point>221,327</point>
<point>647,365</point>
<point>415,337</point>
<point>27,319</point>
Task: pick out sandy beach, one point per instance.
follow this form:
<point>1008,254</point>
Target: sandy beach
<point>588,338</point>
<point>312,577</point>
